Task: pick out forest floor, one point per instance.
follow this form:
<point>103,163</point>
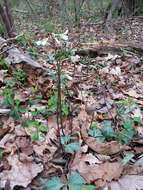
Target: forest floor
<point>72,116</point>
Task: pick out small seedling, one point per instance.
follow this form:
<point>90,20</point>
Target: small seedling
<point>39,129</point>
<point>106,132</point>
<point>63,54</point>
<point>69,145</point>
<point>52,105</point>
<point>17,110</point>
<point>124,107</point>
<point>75,182</point>
<point>49,26</point>
<point>10,83</point>
<point>19,76</point>
<point>24,40</point>
<point>14,105</point>
<point>3,64</point>
<point>33,52</point>
<point>127,133</point>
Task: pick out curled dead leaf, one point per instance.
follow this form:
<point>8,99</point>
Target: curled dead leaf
<point>100,174</point>
<point>3,131</point>
<point>20,173</point>
<point>128,182</point>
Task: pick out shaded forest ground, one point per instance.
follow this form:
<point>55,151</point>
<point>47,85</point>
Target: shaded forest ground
<point>99,140</point>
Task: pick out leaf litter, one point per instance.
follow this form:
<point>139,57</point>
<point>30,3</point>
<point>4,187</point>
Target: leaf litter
<point>104,122</point>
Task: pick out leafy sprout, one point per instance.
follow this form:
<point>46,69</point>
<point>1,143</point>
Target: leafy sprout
<point>69,145</point>
<point>106,132</point>
<point>20,76</point>
<point>52,105</point>
<point>14,105</point>
<point>39,128</point>
<point>75,182</point>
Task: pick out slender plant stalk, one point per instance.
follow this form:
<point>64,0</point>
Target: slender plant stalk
<point>59,101</point>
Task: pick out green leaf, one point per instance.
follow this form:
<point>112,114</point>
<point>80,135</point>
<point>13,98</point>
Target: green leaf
<point>54,184</point>
<point>127,158</point>
<point>1,153</point>
<point>75,181</point>
<point>43,128</point>
<point>52,103</point>
<point>94,125</point>
<point>65,139</point>
<point>128,125</point>
<point>88,187</point>
<point>107,123</point>
<point>65,109</point>
<point>32,123</point>
<point>108,132</point>
<point>72,147</point>
<point>22,109</point>
<point>14,113</point>
<point>125,136</point>
<point>35,136</point>
<point>137,119</point>
<point>96,133</point>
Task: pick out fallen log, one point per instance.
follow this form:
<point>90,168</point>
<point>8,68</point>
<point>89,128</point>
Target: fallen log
<point>103,48</point>
<point>13,55</point>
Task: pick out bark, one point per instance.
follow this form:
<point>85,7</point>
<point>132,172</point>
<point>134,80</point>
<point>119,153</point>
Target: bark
<point>129,7</point>
<point>5,13</point>
<point>100,49</point>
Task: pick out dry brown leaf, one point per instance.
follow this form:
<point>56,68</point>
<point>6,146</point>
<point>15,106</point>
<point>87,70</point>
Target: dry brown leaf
<point>91,159</point>
<point>19,131</point>
<point>22,95</point>
<point>20,174</point>
<point>99,174</point>
<point>40,147</point>
<point>83,117</point>
<point>108,148</point>
<point>138,149</point>
<point>24,144</point>
<point>7,143</point>
<point>140,102</point>
<point>133,93</point>
<point>128,182</point>
<point>133,180</point>
<point>140,131</point>
<point>52,129</point>
<point>3,131</point>
<point>2,74</point>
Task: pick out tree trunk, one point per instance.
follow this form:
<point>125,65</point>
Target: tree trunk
<point>77,10</point>
<point>116,4</point>
<point>5,13</point>
<point>129,7</point>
